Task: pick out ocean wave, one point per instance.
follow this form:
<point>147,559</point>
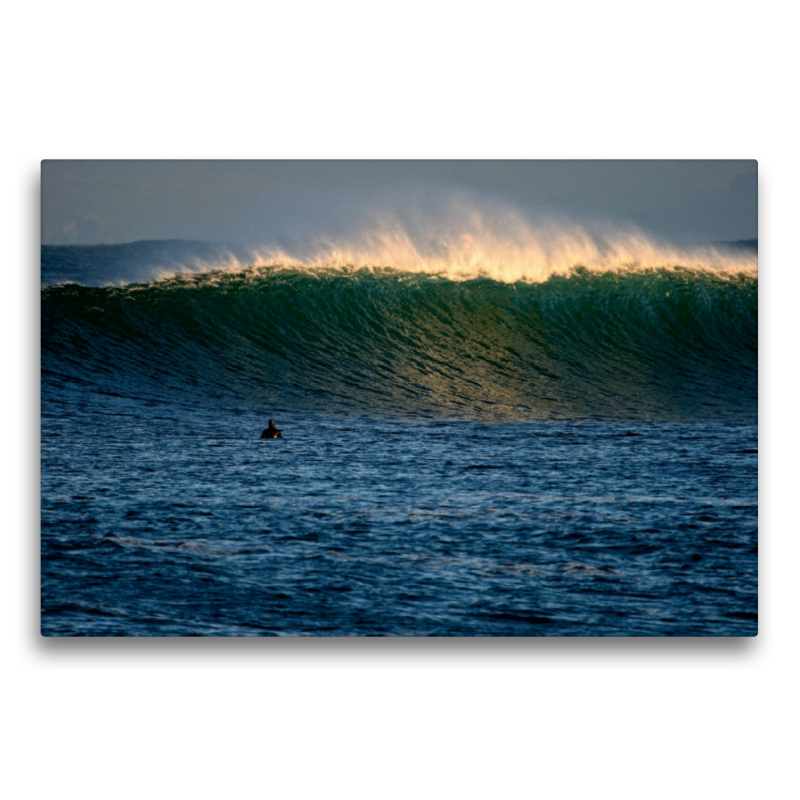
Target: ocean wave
<point>630,341</point>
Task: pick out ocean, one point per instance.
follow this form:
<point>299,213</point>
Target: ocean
<point>464,453</point>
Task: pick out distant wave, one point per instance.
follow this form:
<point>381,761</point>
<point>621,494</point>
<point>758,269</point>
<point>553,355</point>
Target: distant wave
<point>637,341</point>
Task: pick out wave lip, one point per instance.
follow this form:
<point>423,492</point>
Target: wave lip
<point>507,249</point>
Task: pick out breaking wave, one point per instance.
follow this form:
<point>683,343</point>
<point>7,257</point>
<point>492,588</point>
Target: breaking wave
<point>560,327</point>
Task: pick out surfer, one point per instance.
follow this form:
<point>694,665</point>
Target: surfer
<point>271,432</point>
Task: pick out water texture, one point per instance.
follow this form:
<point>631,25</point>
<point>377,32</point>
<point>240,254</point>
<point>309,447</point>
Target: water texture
<point>576,455</point>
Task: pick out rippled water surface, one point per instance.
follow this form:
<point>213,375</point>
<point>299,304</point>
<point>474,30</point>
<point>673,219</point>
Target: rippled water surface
<point>169,519</point>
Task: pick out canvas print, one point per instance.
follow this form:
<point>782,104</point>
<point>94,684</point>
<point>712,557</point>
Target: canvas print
<point>399,398</point>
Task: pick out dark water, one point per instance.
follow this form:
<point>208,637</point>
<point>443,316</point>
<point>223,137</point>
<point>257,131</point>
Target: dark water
<point>577,457</point>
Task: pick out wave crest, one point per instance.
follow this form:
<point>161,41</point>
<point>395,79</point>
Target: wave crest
<point>504,247</point>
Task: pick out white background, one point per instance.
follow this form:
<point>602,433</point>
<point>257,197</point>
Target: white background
<point>368,718</point>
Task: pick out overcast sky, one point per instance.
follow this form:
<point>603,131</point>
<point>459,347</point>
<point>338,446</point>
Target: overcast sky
<point>91,202</point>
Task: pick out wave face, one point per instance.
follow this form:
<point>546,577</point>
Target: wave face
<point>631,342</point>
